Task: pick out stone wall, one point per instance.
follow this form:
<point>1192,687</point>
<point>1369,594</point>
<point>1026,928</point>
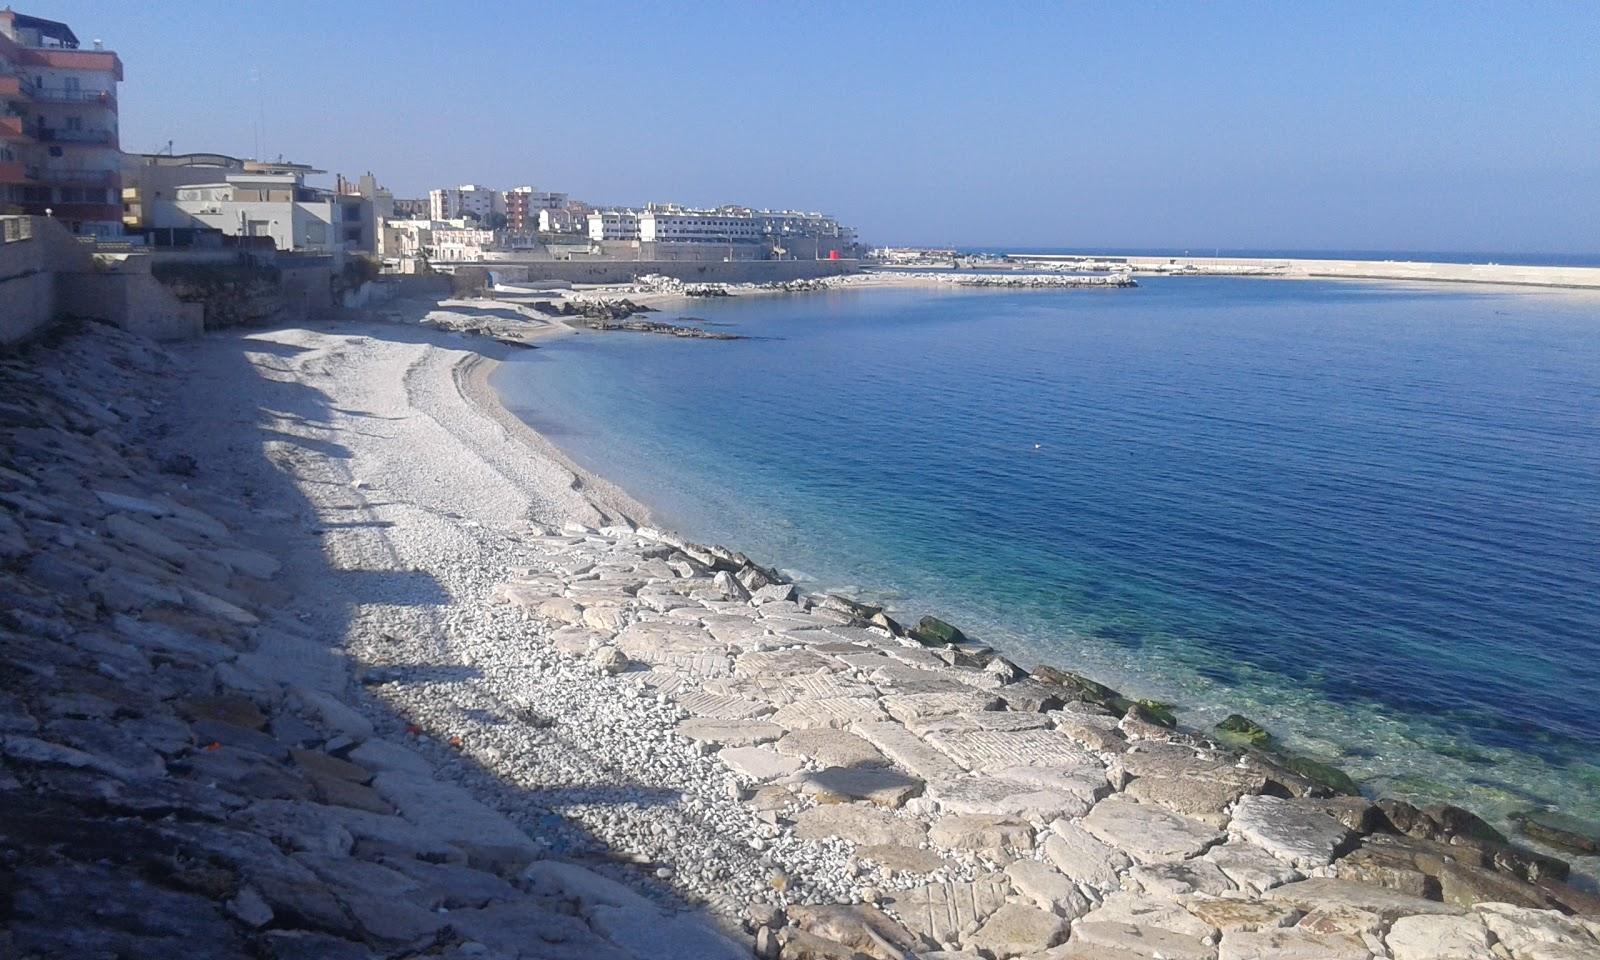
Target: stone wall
<point>122,292</point>
<point>29,262</point>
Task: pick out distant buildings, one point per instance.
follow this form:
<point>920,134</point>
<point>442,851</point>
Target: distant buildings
<point>468,200</point>
<point>59,152</point>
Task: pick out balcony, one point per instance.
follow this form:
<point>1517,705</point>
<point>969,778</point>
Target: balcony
<point>63,135</point>
<point>67,95</point>
<point>15,128</point>
<point>80,178</point>
<point>14,171</point>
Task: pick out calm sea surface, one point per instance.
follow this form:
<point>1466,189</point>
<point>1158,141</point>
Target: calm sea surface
<point>1366,515</point>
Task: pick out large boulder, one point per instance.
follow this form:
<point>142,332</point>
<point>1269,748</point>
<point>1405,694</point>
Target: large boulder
<point>933,632</point>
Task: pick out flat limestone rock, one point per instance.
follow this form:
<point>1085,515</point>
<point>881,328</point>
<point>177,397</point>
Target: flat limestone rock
<point>1439,938</point>
<point>719,707</point>
<point>1003,798</point>
<point>1304,837</point>
<point>1525,931</point>
<point>728,733</point>
<point>910,707</point>
<point>1150,834</point>
<point>837,712</point>
<point>1189,876</point>
<point>860,824</point>
<point>831,748</point>
<point>1252,868</point>
<point>977,720</point>
<point>1229,914</point>
<point>788,688</point>
<point>987,750</point>
<point>940,911</point>
<point>900,859</point>
<point>781,662</point>
<point>983,833</point>
<point>908,751</point>
<point>758,763</point>
<point>1048,888</point>
<point>1016,929</point>
<point>1142,941</point>
<point>1087,783</point>
<point>1082,857</point>
<point>883,786</point>
<point>1291,944</point>
<point>1320,892</point>
<point>1148,912</point>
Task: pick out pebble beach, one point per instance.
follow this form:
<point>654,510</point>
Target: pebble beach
<point>413,684</point>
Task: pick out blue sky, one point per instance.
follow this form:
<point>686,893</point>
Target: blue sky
<point>1449,126</point>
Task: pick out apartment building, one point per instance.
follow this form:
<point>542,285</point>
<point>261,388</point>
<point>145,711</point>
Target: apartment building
<point>617,224</point>
<point>59,149</point>
<point>523,206</point>
<point>458,244</point>
<point>669,223</point>
<point>468,200</point>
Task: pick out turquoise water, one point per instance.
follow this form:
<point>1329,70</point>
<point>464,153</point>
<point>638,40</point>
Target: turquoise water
<point>1366,515</point>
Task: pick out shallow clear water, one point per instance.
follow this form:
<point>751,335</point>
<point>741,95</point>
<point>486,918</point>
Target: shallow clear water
<point>1366,515</point>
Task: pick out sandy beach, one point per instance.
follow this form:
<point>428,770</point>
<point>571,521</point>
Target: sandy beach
<point>693,757</point>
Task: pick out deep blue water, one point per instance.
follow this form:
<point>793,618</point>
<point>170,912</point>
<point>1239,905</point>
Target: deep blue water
<point>1366,515</point>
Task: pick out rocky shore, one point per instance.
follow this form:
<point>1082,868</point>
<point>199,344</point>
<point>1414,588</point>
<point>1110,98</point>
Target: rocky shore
<point>311,650</point>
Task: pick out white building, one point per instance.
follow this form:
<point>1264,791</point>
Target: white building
<point>467,200</point>
<point>666,223</point>
<point>458,244</point>
<point>404,239</point>
<point>614,225</point>
<point>276,205</point>
<point>573,217</point>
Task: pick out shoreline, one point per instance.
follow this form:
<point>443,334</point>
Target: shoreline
<point>406,655</point>
<point>483,396</point>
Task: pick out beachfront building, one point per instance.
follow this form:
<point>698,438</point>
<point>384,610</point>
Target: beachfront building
<point>525,204</point>
<point>614,224</point>
<point>669,223</point>
<point>805,236</point>
<point>461,243</point>
<point>468,200</point>
<point>59,148</point>
<point>176,200</point>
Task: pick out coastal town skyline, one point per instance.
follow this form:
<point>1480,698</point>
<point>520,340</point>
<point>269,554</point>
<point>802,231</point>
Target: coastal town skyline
<point>1127,129</point>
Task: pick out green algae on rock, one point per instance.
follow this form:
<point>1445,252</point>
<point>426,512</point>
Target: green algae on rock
<point>1238,730</point>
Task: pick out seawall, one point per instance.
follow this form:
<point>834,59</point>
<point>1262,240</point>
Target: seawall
<point>1497,273</point>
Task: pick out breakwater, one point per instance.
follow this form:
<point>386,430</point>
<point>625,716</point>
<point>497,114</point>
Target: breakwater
<point>1486,273</point>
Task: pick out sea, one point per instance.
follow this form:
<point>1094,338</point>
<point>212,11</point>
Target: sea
<point>1366,515</point>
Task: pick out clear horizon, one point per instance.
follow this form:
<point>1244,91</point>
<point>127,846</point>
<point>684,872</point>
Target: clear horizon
<point>1242,126</point>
